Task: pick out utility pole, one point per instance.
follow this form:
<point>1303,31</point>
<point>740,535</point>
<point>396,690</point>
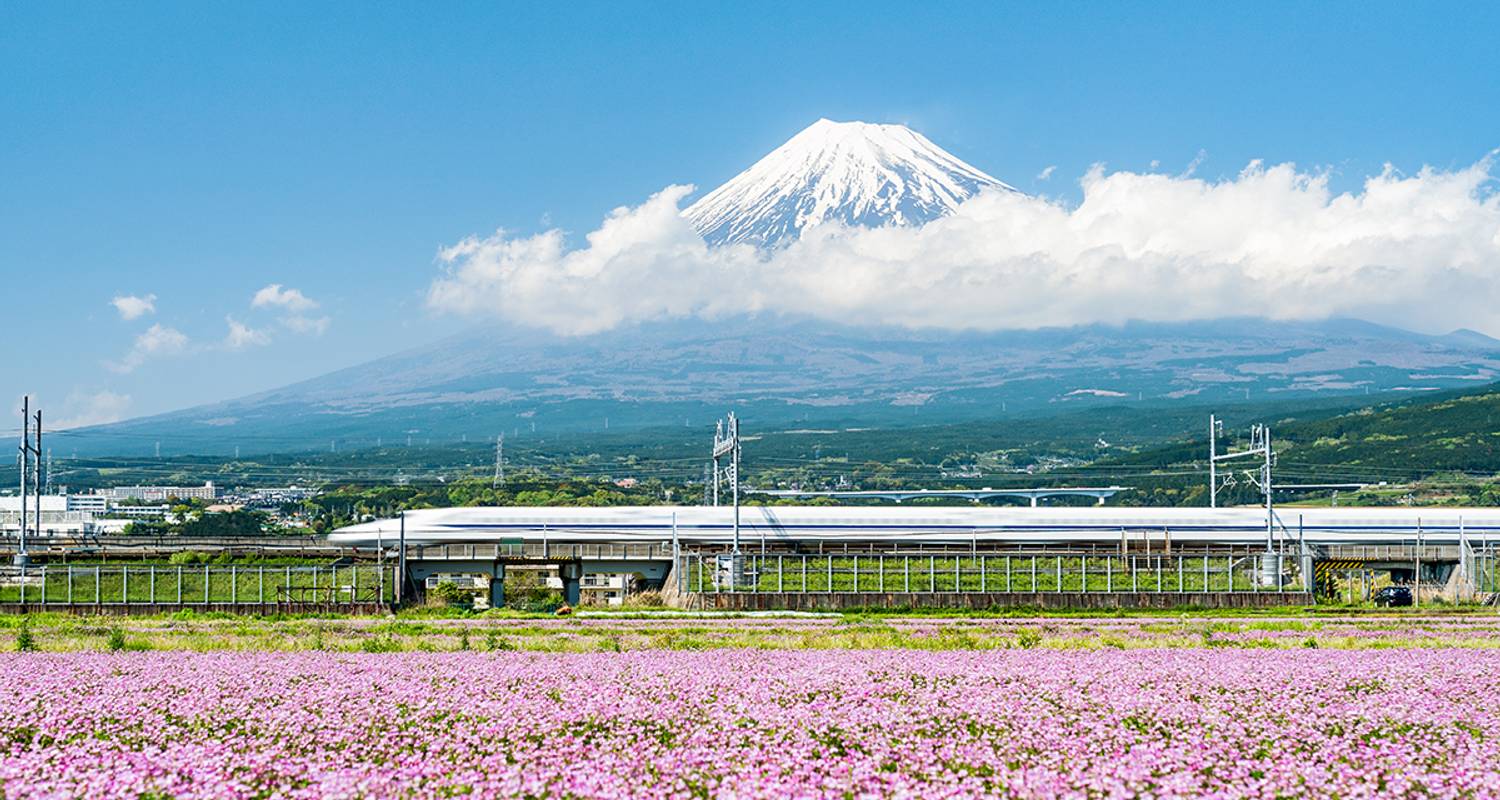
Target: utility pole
<point>1266,486</point>
<point>1214,431</point>
<point>499,462</point>
<point>727,446</point>
<point>1260,445</point>
<point>25,457</point>
<point>401,563</point>
<point>36,477</point>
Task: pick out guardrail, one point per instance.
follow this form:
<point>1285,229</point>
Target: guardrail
<point>541,551</point>
<point>74,543</point>
<point>1390,552</point>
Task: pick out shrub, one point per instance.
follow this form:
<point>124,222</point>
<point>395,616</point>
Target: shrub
<point>385,643</point>
<point>448,593</point>
<point>526,591</point>
<point>25,641</point>
<point>647,599</point>
<point>116,641</point>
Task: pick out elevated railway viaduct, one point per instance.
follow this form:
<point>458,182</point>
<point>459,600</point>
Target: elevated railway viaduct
<point>806,557</point>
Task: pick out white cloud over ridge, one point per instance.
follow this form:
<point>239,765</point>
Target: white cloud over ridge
<point>1418,251</point>
<point>82,409</point>
<point>289,299</point>
<point>241,335</point>
<point>157,340</point>
<point>132,306</point>
<point>298,323</point>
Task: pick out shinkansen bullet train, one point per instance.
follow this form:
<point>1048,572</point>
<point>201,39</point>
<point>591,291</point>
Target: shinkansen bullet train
<point>803,525</point>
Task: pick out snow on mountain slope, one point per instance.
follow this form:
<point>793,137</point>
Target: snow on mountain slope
<point>856,173</point>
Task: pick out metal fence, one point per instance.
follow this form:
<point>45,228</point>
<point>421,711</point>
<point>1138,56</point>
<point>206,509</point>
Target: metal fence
<point>990,574</point>
<point>196,585</point>
<point>1484,570</point>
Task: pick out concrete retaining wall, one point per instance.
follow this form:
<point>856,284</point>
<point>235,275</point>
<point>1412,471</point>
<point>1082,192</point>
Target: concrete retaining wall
<point>815,601</point>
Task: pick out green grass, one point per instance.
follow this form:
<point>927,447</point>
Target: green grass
<point>188,632</point>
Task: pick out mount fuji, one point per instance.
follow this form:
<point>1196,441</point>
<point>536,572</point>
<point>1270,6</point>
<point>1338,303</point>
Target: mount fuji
<point>782,371</point>
<point>854,173</point>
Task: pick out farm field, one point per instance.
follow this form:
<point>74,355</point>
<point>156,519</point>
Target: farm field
<point>1022,722</point>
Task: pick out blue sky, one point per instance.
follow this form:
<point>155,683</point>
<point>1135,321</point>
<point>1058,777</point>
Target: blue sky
<point>198,153</point>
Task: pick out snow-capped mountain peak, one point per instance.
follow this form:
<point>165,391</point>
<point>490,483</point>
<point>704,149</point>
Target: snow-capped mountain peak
<point>857,173</point>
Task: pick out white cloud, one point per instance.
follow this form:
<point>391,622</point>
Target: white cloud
<point>289,299</point>
<point>241,335</point>
<point>133,306</point>
<point>295,304</point>
<point>1046,174</point>
<point>1415,251</point>
<point>316,326</point>
<point>157,340</point>
<point>82,409</point>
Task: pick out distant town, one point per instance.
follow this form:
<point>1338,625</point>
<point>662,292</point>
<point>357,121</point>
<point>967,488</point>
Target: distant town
<point>116,510</point>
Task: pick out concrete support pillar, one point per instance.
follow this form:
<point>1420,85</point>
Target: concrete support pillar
<point>572,578</point>
<point>497,586</point>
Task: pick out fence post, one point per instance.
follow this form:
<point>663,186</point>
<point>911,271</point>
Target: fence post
<point>70,584</point>
<point>983,579</point>
<point>23,572</point>
<point>205,585</point>
<point>856,574</point>
<point>780,574</point>
<point>1180,587</point>
<point>1008,588</point>
<point>353,582</point>
<point>932,574</point>
<point>286,584</point>
<point>151,583</point>
<point>1109,575</point>
<point>234,585</point>
<point>98,590</point>
<point>880,571</point>
<point>958,581</point>
<point>124,584</point>
<point>830,573</point>
<point>1059,574</point>
<point>906,570</point>
<point>804,574</point>
<point>179,586</point>
<point>44,585</point>
<point>261,593</point>
<point>1205,574</point>
<point>1083,573</point>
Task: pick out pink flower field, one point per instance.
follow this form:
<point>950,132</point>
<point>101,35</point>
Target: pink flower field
<point>747,723</point>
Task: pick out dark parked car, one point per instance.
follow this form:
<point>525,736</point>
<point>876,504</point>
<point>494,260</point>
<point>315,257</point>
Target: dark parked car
<point>1393,596</point>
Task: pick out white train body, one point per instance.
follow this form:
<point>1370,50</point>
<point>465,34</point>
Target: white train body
<point>712,526</point>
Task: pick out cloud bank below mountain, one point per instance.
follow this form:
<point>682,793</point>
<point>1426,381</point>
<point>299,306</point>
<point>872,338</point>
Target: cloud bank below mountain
<point>1417,251</point>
